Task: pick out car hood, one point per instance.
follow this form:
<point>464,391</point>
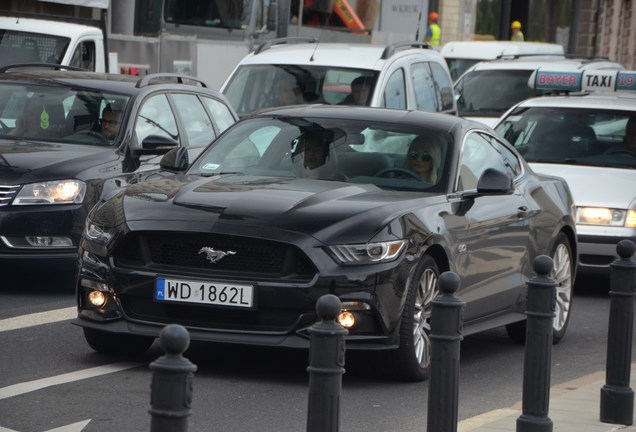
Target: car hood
<point>296,205</point>
<point>28,161</point>
<point>595,186</point>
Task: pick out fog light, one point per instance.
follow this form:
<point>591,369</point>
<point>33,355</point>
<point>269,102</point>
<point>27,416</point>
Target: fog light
<point>347,319</point>
<point>45,241</point>
<point>97,298</point>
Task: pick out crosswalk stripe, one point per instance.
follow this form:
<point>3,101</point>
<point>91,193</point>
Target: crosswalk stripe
<point>39,318</point>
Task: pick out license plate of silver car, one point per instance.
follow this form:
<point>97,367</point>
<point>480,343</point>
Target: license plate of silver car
<point>211,293</point>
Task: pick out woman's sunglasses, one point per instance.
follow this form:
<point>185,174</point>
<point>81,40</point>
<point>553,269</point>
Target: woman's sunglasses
<point>426,157</point>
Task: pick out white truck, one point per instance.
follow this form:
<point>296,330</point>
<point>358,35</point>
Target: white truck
<point>25,39</point>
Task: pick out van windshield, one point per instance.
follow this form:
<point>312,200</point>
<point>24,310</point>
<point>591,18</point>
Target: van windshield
<point>255,87</point>
<point>25,47</point>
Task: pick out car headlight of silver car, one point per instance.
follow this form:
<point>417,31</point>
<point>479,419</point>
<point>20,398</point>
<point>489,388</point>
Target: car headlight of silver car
<point>97,233</point>
<point>605,216</point>
<point>51,192</point>
<point>368,253</point>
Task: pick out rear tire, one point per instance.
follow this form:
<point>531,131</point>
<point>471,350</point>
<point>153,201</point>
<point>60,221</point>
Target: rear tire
<point>411,361</point>
<point>563,274</point>
<point>117,343</point>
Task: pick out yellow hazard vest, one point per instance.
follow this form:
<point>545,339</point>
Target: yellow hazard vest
<point>436,34</point>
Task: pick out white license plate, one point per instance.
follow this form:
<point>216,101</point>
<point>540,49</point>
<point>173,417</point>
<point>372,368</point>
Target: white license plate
<point>213,293</point>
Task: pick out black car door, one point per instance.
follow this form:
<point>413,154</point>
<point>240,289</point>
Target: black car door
<point>491,249</point>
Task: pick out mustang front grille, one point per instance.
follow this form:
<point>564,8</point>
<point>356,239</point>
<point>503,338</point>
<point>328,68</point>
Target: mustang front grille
<point>188,253</point>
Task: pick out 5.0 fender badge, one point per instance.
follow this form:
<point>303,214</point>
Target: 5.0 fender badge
<point>213,255</point>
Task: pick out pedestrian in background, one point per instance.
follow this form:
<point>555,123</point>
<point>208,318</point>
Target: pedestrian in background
<point>434,32</point>
<point>517,35</point>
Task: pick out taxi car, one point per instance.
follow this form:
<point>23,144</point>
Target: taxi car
<point>585,133</point>
<point>489,89</point>
<point>402,75</point>
<point>69,136</point>
<point>297,202</point>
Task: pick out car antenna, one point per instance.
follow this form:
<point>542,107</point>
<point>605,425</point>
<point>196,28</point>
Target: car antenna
<point>320,35</point>
<point>419,21</point>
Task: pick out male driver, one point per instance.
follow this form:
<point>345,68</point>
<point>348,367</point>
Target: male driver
<point>110,122</point>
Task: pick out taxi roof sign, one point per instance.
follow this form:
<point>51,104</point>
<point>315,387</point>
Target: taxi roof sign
<point>588,80</point>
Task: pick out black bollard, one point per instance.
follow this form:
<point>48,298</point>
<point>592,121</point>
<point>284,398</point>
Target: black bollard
<point>617,398</point>
<point>538,350</point>
<point>171,389</point>
<point>326,366</point>
<point>447,321</point>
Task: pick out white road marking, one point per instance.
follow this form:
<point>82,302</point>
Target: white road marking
<point>26,387</point>
<point>75,427</point>
<point>39,318</point>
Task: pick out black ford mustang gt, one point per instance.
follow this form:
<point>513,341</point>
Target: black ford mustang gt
<point>288,205</point>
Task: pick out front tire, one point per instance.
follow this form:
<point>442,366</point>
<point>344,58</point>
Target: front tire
<point>563,274</point>
<point>117,343</point>
<point>411,361</point>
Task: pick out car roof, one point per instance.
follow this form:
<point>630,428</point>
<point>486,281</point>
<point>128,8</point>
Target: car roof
<point>117,83</point>
<point>551,62</point>
<point>492,49</point>
<point>372,115</point>
<point>600,101</point>
<point>357,56</point>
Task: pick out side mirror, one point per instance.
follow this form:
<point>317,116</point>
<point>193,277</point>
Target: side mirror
<point>494,182</point>
<point>176,160</point>
<point>156,145</point>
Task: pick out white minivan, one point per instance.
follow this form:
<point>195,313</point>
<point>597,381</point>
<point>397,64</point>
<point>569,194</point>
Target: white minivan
<point>403,75</point>
<point>461,55</point>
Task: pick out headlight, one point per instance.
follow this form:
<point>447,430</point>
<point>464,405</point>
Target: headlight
<point>367,253</point>
<point>97,233</point>
<point>605,216</point>
<point>51,192</point>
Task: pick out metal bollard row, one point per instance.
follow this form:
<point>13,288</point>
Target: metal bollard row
<point>617,398</point>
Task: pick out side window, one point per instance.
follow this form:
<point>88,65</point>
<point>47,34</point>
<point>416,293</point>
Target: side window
<point>395,92</point>
<point>424,87</point>
<point>220,113</point>
<point>479,153</point>
<point>84,56</point>
<point>156,118</point>
<point>198,126</point>
<point>444,85</point>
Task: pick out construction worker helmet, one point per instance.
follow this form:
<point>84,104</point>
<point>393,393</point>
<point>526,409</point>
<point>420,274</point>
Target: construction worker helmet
<point>515,25</point>
<point>433,16</point>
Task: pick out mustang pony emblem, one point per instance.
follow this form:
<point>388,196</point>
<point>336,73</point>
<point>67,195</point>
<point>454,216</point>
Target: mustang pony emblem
<point>213,255</point>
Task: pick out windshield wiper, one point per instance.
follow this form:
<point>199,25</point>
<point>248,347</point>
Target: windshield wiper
<point>221,173</point>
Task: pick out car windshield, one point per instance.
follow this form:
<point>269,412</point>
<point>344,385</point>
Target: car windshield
<point>60,114</point>
<point>256,87</point>
<point>387,155</point>
<point>571,136</point>
<point>489,93</point>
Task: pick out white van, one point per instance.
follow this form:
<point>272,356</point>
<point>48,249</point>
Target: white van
<point>460,55</point>
<point>403,75</point>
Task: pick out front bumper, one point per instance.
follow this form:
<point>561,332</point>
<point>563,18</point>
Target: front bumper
<point>597,247</point>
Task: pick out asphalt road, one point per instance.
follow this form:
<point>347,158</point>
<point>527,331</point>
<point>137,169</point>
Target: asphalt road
<point>50,380</point>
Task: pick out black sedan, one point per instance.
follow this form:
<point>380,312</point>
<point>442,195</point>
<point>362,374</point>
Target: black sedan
<point>67,137</point>
<point>288,205</point>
